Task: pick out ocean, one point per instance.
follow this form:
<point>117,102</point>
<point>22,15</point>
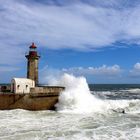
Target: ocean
<point>94,112</point>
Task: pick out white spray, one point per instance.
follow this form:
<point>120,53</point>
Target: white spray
<point>77,97</point>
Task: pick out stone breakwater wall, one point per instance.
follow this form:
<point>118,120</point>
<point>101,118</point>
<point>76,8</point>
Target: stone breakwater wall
<point>46,90</point>
<point>40,98</point>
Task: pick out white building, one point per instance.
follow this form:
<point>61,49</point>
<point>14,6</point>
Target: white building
<point>21,85</point>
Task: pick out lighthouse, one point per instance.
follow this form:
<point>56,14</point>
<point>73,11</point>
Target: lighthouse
<point>32,63</point>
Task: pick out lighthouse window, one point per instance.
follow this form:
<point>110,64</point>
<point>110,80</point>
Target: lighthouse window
<point>26,86</point>
<point>18,86</point>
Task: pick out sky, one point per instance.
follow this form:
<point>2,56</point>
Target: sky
<point>97,39</point>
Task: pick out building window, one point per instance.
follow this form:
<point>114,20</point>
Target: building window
<point>18,86</point>
<point>26,86</point>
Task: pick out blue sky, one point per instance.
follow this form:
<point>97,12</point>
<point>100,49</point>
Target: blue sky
<point>97,39</point>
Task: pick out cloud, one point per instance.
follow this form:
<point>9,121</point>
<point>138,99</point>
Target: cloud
<point>102,3</point>
<point>7,72</point>
<point>4,69</point>
<point>104,72</point>
<point>11,54</point>
<point>48,74</point>
<point>135,72</point>
<point>80,25</point>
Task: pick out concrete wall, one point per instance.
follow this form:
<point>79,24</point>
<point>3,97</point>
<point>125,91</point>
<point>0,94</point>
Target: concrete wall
<point>40,98</point>
<point>47,89</point>
<point>25,101</point>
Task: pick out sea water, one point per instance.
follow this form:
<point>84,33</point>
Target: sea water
<point>103,112</point>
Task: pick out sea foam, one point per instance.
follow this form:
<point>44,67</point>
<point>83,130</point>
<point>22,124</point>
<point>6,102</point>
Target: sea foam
<point>77,97</point>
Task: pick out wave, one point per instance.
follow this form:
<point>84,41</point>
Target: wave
<point>77,98</point>
<point>135,90</point>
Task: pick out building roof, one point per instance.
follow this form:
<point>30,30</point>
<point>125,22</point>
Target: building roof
<point>22,80</point>
<point>33,46</point>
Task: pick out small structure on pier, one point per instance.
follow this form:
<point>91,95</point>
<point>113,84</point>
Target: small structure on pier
<point>21,85</point>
